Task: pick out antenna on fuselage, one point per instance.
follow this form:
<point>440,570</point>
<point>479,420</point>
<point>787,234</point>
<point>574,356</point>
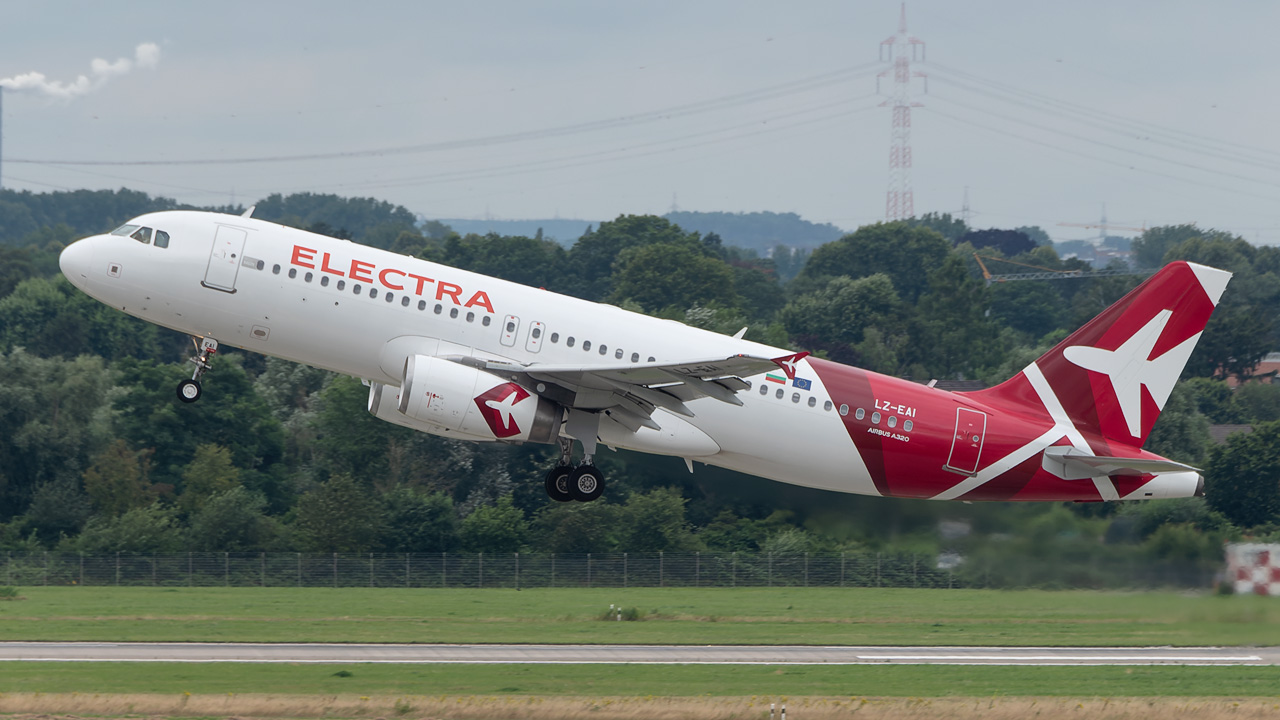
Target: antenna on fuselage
<point>249,212</point>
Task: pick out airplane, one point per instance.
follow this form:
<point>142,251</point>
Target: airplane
<point>463,355</point>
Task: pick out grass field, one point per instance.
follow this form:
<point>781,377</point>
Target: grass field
<point>825,616</point>
<point>33,706</point>
<point>638,680</point>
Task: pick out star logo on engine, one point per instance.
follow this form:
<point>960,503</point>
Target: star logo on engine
<point>498,407</point>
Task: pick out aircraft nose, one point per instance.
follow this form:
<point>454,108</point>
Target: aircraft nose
<point>76,260</point>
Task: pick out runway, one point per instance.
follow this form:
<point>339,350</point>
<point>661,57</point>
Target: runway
<point>628,654</point>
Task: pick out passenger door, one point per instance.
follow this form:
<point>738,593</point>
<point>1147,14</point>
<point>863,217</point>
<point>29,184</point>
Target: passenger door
<point>224,259</point>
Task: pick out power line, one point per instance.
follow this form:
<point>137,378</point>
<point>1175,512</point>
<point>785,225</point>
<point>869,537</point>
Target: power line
<point>773,92</point>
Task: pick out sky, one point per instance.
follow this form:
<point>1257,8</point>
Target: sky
<point>1042,112</point>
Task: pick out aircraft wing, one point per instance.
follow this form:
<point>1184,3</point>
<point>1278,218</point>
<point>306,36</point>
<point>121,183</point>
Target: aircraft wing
<point>629,393</point>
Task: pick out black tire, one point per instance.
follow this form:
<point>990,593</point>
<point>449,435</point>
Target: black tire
<point>189,391</point>
<point>558,483</point>
<point>586,483</point>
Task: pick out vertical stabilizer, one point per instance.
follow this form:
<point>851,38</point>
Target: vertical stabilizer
<point>1113,376</point>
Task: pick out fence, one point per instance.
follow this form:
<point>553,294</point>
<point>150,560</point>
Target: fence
<point>613,570</point>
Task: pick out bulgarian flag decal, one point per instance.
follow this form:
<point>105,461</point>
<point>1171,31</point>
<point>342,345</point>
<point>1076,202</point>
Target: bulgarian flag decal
<point>776,378</point>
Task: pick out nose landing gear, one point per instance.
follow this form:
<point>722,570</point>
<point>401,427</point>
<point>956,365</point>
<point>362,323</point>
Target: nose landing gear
<point>190,391</point>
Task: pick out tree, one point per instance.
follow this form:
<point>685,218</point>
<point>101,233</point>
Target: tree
<point>15,266</point>
<point>669,275</point>
<point>1010,243</point>
<point>951,228</point>
<point>1242,479</point>
<point>951,334</point>
<point>906,254</point>
<point>418,522</point>
<point>756,283</point>
<point>148,529</point>
<point>1037,235</point>
<point>58,508</point>
<point>209,473</point>
<point>230,414</point>
<point>116,481</point>
<point>49,317</point>
<point>842,309</point>
<point>338,516</point>
<point>591,260</point>
<point>349,439</point>
<point>51,421</point>
<point>654,521</point>
<point>1150,248</point>
<point>499,528</point>
<point>232,521</point>
<point>1034,308</point>
<point>358,216</point>
<point>536,263</point>
<point>1181,432</point>
<point>578,527</point>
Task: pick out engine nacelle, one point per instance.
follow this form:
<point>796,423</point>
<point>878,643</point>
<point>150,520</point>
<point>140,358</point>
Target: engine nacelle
<point>470,401</point>
<point>384,401</point>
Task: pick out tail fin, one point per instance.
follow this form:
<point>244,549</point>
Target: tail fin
<point>1113,375</point>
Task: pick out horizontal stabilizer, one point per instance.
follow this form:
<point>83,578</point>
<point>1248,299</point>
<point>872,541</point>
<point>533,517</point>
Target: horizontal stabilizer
<point>1069,463</point>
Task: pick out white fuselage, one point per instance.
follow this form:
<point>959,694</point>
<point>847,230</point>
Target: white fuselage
<point>292,294</point>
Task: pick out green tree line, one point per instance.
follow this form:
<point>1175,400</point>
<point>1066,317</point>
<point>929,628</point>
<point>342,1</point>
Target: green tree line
<point>98,456</point>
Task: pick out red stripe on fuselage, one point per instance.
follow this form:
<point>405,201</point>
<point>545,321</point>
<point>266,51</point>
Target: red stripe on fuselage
<point>852,387</point>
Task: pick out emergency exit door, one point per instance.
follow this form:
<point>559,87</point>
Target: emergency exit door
<point>966,442</point>
<point>224,259</point>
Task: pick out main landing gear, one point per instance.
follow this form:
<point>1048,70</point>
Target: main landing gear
<point>190,391</point>
<point>585,482</point>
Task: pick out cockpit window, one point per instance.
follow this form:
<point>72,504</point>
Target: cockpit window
<point>124,230</point>
<point>162,239</point>
<point>143,235</point>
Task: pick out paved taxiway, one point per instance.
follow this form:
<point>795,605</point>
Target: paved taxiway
<point>638,654</point>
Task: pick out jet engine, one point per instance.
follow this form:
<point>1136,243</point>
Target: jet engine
<point>463,400</point>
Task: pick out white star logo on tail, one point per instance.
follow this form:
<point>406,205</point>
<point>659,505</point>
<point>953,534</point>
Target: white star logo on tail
<point>1129,368</point>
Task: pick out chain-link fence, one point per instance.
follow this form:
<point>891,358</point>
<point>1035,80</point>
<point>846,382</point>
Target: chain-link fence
<point>612,570</point>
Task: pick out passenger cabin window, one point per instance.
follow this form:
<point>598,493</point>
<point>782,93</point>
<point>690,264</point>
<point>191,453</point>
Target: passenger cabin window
<point>162,240</point>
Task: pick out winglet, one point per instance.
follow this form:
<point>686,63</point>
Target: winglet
<point>788,363</point>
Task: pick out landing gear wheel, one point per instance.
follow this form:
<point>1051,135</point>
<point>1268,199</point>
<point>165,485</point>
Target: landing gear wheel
<point>586,483</point>
<point>558,483</point>
<point>189,391</point>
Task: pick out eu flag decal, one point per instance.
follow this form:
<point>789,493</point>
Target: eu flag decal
<point>802,384</point>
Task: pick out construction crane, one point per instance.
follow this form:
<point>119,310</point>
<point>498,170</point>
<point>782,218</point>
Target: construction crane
<point>1044,273</point>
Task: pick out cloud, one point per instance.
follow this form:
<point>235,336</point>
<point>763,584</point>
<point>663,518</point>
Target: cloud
<point>146,55</point>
